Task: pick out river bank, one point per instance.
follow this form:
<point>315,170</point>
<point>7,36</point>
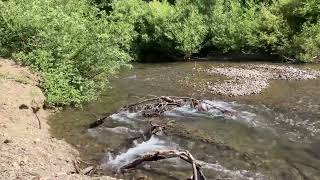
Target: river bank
<point>27,150</point>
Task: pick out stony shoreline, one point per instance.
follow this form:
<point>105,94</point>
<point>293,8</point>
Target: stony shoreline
<point>253,79</point>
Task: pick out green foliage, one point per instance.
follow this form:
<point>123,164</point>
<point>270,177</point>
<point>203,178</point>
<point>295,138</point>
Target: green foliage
<point>305,46</point>
<point>297,12</point>
<point>187,29</point>
<point>64,40</point>
<point>77,44</point>
<point>173,29</point>
<point>104,5</point>
<point>245,27</point>
<point>232,27</point>
<point>302,19</point>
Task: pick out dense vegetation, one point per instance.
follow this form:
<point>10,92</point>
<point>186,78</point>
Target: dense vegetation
<point>77,44</point>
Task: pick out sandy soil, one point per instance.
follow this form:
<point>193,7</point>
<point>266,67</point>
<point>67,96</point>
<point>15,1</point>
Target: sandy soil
<point>26,151</point>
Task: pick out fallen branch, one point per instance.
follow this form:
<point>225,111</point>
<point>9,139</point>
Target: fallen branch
<point>156,106</point>
<point>167,154</point>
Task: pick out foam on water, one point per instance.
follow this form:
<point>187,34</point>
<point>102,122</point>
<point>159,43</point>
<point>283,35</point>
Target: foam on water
<point>121,130</point>
<point>253,116</point>
<point>221,104</point>
<point>207,106</point>
<point>153,144</point>
<point>212,110</point>
<point>234,174</point>
<point>125,116</point>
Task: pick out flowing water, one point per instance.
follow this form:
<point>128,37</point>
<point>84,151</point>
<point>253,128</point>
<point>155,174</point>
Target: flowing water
<point>272,135</point>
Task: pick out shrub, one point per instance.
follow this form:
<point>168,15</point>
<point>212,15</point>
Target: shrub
<point>302,19</point>
<point>65,41</point>
<point>244,27</point>
<point>174,29</point>
<point>232,27</point>
<point>187,29</point>
<point>305,46</point>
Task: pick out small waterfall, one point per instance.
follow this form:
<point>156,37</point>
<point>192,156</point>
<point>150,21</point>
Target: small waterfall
<point>151,145</point>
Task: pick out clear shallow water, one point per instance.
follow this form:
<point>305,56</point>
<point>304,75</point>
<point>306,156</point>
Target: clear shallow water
<point>277,129</point>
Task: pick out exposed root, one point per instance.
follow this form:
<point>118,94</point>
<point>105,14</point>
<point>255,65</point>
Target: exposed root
<point>167,154</point>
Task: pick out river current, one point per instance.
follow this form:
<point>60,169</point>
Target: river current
<point>274,134</point>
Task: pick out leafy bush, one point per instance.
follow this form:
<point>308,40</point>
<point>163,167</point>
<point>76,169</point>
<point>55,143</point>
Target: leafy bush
<point>303,19</point>
<point>65,41</point>
<point>104,5</point>
<point>232,27</point>
<point>297,12</point>
<point>305,46</point>
<point>245,27</point>
<point>173,29</point>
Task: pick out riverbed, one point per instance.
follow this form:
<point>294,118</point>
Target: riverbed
<point>275,134</point>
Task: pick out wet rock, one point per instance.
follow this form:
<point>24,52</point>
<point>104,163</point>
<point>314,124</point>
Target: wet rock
<point>7,141</point>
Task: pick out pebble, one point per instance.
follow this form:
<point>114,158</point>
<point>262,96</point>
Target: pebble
<point>6,141</point>
<point>252,79</point>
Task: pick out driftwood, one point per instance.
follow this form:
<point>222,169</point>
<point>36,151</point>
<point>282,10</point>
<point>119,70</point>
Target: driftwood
<point>156,106</point>
<point>167,154</point>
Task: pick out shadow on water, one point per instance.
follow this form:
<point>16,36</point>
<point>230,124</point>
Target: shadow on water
<point>276,136</point>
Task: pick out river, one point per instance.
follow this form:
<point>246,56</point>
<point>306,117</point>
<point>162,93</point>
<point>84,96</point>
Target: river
<point>274,136</point>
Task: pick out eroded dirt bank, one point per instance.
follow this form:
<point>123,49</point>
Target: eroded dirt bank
<point>26,151</point>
